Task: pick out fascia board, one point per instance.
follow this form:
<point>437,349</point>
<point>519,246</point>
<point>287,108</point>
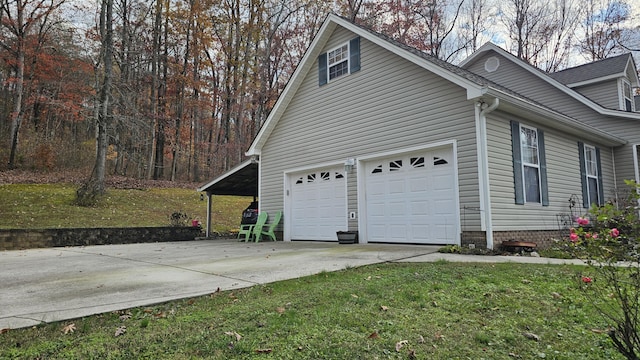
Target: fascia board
<point>635,82</point>
<point>481,50</point>
<point>597,80</point>
<point>407,55</point>
<point>559,121</point>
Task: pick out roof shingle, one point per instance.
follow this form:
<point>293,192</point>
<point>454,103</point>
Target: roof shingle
<point>599,69</point>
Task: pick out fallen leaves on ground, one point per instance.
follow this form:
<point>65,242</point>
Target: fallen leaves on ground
<point>264,351</point>
<point>384,308</point>
<point>160,315</point>
<point>120,331</point>
<point>234,334</point>
<point>531,336</point>
<point>280,310</point>
<point>400,344</point>
<point>374,335</point>
<point>412,354</point>
<point>5,330</point>
<point>69,328</point>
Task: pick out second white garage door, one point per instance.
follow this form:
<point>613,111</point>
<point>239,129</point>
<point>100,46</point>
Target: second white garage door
<point>318,204</point>
<point>412,198</point>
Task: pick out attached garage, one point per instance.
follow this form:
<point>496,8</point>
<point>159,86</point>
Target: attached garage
<point>411,198</point>
<point>318,204</point>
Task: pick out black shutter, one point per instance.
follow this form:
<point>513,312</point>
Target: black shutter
<point>583,176</point>
<point>322,69</point>
<point>354,55</point>
<point>517,162</point>
<point>600,189</point>
<point>544,189</point>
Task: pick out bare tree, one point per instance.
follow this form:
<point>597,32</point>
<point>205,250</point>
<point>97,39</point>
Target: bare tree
<point>88,193</point>
<point>558,46</point>
<point>603,28</point>
<point>474,24</point>
<point>528,25</point>
<point>440,19</point>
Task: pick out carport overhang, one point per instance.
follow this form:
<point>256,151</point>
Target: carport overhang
<point>241,180</point>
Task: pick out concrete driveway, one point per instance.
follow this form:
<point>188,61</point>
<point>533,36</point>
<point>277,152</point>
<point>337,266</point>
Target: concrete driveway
<point>46,285</point>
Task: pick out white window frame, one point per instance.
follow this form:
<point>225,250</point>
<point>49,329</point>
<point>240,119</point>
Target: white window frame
<point>591,163</point>
<point>345,59</point>
<point>531,165</point>
<point>624,98</point>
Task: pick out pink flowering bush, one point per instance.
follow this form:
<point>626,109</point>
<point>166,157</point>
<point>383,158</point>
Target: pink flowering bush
<point>610,242</point>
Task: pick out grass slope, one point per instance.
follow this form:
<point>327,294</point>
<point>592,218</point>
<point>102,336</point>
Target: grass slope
<point>390,311</point>
<point>33,206</point>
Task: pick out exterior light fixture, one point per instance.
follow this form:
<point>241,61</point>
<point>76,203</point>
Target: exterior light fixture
<point>349,164</point>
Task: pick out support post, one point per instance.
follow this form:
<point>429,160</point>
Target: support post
<point>209,204</point>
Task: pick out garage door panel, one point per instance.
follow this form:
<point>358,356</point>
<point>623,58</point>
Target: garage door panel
<point>396,186</point>
<point>417,184</point>
<point>411,199</point>
<point>397,208</point>
<point>397,233</point>
<point>442,232</point>
<point>419,207</point>
<point>379,233</point>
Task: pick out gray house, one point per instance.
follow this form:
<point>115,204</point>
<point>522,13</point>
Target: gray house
<point>374,136</point>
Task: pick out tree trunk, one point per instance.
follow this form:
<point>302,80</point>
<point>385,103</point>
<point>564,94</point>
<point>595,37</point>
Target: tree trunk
<point>17,105</point>
<point>88,193</point>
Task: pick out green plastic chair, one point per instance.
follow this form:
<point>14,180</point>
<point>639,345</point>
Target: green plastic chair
<point>270,231</point>
<point>247,230</point>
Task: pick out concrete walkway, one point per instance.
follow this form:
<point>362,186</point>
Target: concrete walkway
<point>46,285</point>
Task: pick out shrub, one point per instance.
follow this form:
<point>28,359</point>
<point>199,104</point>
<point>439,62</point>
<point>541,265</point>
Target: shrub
<point>179,218</point>
<point>609,240</point>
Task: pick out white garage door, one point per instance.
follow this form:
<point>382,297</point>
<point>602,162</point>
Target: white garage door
<point>318,204</point>
<point>411,199</point>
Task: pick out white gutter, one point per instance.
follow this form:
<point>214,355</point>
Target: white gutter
<point>481,111</point>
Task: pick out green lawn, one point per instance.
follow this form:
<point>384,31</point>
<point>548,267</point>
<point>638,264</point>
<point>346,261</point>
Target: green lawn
<point>28,206</point>
<point>390,311</point>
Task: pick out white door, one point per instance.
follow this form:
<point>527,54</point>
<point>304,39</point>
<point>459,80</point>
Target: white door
<point>412,198</point>
<point>318,204</point>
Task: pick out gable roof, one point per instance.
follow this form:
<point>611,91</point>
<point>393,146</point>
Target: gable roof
<point>475,85</point>
<point>464,78</point>
<point>610,68</point>
<point>545,76</point>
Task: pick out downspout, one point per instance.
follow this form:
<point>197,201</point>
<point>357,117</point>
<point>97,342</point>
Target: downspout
<point>635,163</point>
<point>636,170</point>
<point>481,111</point>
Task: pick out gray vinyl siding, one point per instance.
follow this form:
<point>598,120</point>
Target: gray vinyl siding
<point>563,174</point>
<point>604,93</point>
<point>514,77</point>
<point>623,157</point>
<point>390,104</point>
